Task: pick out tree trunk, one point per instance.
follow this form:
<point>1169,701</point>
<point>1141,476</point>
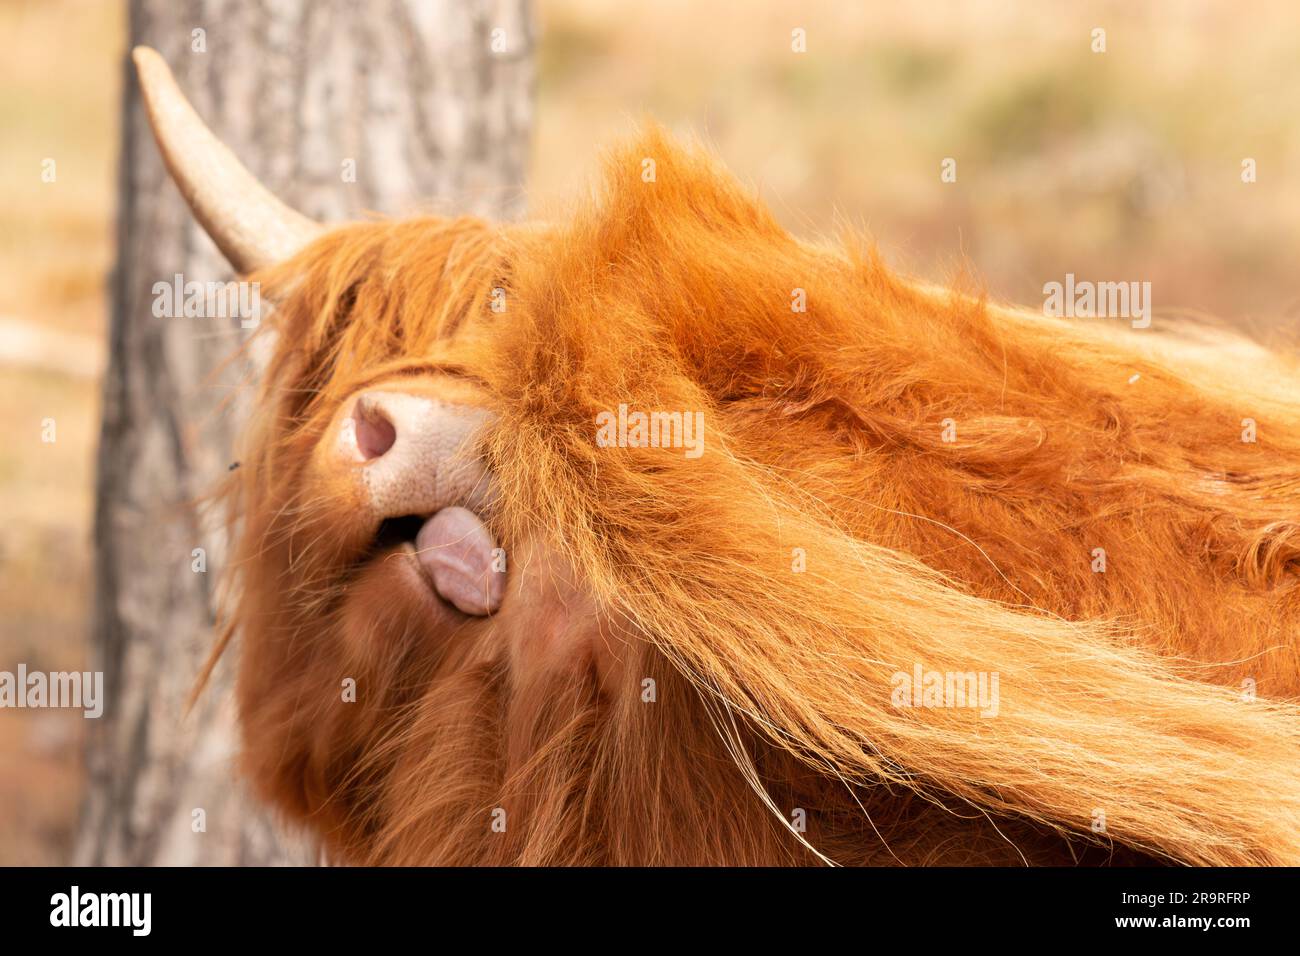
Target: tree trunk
<point>340,108</point>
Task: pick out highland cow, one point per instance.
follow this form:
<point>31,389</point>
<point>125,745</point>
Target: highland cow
<point>561,650</point>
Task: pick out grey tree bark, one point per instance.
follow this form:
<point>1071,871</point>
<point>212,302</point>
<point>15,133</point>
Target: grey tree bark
<point>341,108</point>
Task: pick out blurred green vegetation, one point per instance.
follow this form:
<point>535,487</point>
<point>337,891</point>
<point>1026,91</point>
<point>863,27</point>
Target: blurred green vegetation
<point>1046,107</point>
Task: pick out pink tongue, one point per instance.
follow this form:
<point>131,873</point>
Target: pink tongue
<point>455,550</point>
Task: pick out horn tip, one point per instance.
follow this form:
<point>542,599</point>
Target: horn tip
<point>147,60</point>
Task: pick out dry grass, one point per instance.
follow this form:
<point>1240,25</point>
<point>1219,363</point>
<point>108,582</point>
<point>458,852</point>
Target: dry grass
<point>1116,166</point>
<point>58,99</point>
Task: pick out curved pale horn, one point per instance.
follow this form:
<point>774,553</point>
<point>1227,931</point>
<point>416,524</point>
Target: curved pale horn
<point>249,225</point>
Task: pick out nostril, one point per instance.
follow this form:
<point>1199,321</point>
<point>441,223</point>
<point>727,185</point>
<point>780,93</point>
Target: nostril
<point>374,432</point>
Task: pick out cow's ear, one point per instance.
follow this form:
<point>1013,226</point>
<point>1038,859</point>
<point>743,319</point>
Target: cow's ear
<point>251,227</point>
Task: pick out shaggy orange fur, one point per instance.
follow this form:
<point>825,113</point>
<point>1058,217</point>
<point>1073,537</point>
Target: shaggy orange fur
<point>1121,692</point>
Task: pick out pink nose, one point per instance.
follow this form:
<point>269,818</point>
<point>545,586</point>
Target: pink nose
<point>415,453</point>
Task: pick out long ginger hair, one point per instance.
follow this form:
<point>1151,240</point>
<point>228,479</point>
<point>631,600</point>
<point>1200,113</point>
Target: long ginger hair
<point>899,476</point>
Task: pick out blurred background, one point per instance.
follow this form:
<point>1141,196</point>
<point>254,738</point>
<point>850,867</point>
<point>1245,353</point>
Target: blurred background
<point>1122,165</point>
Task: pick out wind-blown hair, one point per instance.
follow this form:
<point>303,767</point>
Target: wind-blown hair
<point>898,478</point>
